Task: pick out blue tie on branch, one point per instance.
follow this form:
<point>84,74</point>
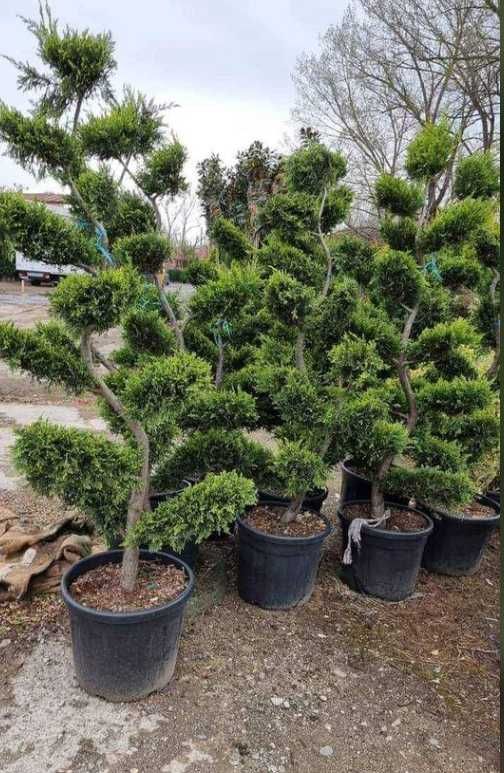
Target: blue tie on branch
<point>221,329</point>
<point>100,235</point>
<point>432,268</point>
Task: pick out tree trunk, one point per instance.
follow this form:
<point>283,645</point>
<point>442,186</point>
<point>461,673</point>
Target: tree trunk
<point>327,282</point>
<point>377,498</point>
<point>293,509</point>
<point>219,371</point>
<point>170,314</point>
<point>139,498</point>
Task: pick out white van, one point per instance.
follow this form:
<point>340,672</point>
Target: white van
<point>35,271</point>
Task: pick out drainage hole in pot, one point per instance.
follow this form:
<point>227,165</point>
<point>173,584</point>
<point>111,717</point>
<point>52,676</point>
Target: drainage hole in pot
<point>157,584</point>
<point>399,520</point>
<point>269,520</point>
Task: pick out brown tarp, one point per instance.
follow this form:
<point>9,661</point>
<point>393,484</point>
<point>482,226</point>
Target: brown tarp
<point>35,560</point>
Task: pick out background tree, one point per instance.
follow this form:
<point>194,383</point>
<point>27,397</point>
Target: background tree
<point>236,193</point>
<point>390,67</point>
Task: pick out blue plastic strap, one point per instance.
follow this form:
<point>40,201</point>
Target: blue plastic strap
<point>432,268</point>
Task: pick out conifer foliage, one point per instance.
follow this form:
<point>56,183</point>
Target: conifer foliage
<point>153,391</point>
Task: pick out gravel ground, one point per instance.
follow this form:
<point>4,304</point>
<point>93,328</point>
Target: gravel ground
<point>344,683</point>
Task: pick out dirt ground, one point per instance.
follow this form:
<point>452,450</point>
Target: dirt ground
<point>344,683</point>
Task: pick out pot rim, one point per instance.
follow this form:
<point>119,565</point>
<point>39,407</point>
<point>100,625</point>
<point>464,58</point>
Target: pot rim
<point>135,616</point>
<point>172,492</point>
<point>473,519</point>
<point>315,494</point>
<point>384,532</point>
<point>287,538</point>
<point>345,466</point>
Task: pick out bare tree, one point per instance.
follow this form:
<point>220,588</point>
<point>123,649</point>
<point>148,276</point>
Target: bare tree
<point>183,225</point>
<point>390,66</point>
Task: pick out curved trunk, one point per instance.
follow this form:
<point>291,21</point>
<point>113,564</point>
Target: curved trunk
<point>292,511</point>
<point>327,282</point>
<point>139,499</point>
<point>377,498</point>
<point>219,371</point>
<point>170,314</point>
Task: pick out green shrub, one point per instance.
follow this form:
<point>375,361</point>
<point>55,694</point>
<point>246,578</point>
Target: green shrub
<point>210,506</point>
<point>216,450</point>
<point>477,176</point>
<point>311,168</point>
<point>353,256</point>
<point>95,302</point>
<point>147,252</point>
<point>399,233</point>
<point>47,352</point>
<point>398,196</point>
<point>456,223</point>
<point>429,152</point>
<point>198,272</point>
<point>85,469</point>
<point>232,243</point>
<point>161,174</point>
<point>40,234</point>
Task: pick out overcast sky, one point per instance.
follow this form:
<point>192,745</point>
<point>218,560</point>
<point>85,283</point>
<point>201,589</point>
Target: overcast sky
<point>227,63</point>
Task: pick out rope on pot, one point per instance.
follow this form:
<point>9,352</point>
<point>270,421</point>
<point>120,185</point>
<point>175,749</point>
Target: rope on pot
<point>354,533</point>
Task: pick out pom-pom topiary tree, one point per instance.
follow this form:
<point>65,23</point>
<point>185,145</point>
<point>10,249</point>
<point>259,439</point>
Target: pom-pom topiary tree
<point>152,390</point>
<point>408,359</point>
<point>297,264</point>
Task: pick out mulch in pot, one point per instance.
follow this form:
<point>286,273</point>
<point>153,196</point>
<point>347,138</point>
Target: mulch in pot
<point>157,584</point>
<point>269,520</point>
<point>476,510</point>
<point>400,519</point>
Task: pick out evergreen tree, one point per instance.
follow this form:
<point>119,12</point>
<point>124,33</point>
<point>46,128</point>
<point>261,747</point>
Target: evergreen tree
<point>153,391</point>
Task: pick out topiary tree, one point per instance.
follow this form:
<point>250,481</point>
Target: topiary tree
<point>127,135</point>
<point>149,389</point>
<point>415,411</point>
<point>297,264</point>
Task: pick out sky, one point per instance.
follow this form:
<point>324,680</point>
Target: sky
<point>226,63</point>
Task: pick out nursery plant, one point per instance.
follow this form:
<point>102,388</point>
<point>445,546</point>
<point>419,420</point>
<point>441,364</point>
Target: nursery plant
<point>280,540</point>
<point>150,391</point>
<point>416,409</point>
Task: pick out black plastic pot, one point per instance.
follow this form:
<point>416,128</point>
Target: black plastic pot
<point>124,656</point>
<point>494,496</point>
<point>275,571</point>
<point>191,550</point>
<point>357,488</point>
<point>456,545</point>
<point>388,562</point>
<point>354,487</point>
<point>312,501</point>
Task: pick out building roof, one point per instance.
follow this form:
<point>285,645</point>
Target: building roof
<point>47,198</point>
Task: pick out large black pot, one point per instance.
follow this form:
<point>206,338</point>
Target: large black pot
<point>357,488</point>
<point>354,487</point>
<point>456,544</point>
<point>312,501</point>
<point>276,571</point>
<point>124,656</point>
<point>494,496</point>
<point>388,562</point>
<point>191,550</point>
